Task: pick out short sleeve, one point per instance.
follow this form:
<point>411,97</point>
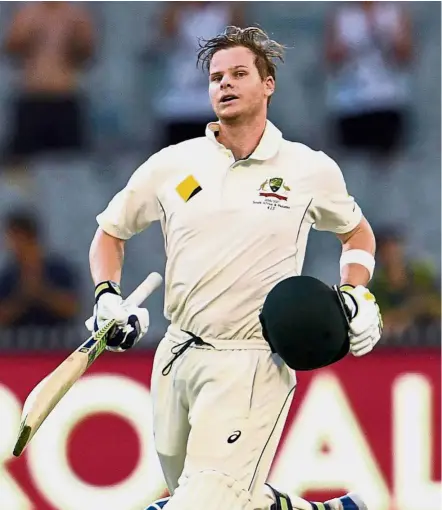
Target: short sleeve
<point>135,207</point>
<point>333,209</point>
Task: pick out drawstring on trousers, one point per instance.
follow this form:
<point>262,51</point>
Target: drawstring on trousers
<point>179,349</point>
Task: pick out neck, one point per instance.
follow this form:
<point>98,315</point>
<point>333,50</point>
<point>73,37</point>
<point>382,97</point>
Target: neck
<point>243,137</point>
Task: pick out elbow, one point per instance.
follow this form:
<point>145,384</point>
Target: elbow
<point>361,237</point>
<point>102,238</point>
<point>106,257</point>
<point>96,241</point>
<point>99,234</point>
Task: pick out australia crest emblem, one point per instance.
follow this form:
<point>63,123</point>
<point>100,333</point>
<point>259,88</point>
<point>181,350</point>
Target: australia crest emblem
<point>274,187</point>
<point>274,192</point>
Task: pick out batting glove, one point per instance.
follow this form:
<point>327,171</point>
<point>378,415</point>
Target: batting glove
<point>132,322</point>
<point>365,319</point>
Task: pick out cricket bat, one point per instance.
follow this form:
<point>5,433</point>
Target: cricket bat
<point>48,392</point>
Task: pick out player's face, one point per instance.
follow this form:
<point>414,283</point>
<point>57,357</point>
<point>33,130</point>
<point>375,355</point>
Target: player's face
<point>236,88</point>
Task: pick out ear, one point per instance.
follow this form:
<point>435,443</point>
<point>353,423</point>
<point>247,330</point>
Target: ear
<point>269,84</point>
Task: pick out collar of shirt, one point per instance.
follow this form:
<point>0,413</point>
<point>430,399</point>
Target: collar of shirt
<point>267,147</point>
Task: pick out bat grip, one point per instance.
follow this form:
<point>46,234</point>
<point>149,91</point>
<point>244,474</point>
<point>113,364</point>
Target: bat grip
<point>138,296</point>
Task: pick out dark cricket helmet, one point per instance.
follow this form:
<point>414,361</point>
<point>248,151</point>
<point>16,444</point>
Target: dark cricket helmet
<point>305,322</point>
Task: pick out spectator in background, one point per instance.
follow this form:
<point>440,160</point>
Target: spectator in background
<point>37,288</point>
<point>407,291</point>
<point>50,42</point>
<point>185,108</point>
<point>368,49</point>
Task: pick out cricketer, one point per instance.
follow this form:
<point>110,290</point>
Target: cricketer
<point>236,207</point>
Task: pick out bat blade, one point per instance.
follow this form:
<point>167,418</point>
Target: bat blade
<point>48,392</point>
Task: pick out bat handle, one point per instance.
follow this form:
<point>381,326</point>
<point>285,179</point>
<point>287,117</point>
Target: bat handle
<point>144,290</point>
<point>138,296</point>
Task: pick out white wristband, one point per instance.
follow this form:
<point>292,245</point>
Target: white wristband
<point>361,257</point>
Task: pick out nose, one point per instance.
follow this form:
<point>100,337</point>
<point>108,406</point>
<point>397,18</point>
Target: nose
<point>225,82</point>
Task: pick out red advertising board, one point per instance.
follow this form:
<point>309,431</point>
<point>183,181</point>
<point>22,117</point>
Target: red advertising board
<point>372,425</point>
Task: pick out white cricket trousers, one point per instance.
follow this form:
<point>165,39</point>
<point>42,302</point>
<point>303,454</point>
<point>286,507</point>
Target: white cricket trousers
<point>218,415</point>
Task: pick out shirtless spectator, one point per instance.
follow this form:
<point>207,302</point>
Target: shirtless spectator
<point>50,42</point>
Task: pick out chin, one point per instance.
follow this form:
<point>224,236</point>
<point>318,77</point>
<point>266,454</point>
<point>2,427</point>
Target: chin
<point>230,115</point>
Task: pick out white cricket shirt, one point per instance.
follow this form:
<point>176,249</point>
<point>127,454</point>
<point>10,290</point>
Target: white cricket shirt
<point>232,230</point>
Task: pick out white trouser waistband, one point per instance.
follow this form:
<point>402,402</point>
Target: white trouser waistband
<point>175,334</point>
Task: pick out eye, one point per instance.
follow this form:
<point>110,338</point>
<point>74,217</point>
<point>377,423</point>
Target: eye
<point>215,78</point>
<point>240,74</point>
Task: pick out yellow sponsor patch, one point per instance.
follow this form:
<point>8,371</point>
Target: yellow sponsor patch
<point>188,188</point>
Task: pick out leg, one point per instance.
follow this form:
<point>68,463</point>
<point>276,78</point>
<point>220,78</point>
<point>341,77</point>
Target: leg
<point>230,446</point>
<point>350,501</point>
<point>158,504</point>
<point>170,418</point>
<point>279,501</point>
<point>239,404</point>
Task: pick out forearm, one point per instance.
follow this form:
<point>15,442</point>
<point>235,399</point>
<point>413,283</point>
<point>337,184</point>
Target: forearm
<point>106,257</point>
<point>361,238</point>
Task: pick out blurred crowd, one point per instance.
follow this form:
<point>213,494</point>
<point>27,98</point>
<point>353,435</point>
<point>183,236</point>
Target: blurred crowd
<point>367,56</point>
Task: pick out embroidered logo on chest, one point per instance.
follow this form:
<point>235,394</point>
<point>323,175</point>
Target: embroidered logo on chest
<point>273,193</point>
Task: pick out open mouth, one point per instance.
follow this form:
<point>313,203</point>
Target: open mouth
<point>228,99</point>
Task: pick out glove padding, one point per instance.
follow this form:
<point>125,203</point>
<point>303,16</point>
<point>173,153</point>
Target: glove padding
<point>365,319</point>
<point>132,322</point>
